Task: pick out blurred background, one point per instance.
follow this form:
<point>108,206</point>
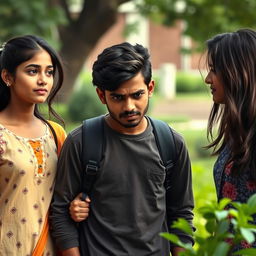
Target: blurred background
<point>174,31</point>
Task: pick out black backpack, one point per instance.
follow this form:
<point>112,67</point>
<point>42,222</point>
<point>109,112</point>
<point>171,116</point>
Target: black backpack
<point>93,136</point>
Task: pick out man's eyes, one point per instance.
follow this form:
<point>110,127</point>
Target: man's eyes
<point>117,97</point>
<point>137,95</point>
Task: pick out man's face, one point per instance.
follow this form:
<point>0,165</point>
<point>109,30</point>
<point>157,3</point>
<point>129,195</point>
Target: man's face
<point>128,104</point>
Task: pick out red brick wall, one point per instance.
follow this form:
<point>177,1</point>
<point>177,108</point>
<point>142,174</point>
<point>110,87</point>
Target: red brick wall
<point>164,43</point>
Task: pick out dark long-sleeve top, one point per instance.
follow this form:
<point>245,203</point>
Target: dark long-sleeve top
<point>238,188</point>
<point>130,205</point>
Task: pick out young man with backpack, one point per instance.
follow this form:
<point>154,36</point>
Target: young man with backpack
<point>136,171</point>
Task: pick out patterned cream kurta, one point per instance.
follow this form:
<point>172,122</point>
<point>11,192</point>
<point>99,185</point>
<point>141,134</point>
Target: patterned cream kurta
<point>27,175</point>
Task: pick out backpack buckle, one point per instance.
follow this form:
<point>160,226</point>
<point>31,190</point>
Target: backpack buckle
<point>91,168</point>
<point>169,165</point>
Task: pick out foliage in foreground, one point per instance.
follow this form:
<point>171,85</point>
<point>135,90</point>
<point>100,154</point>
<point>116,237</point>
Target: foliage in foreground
<point>219,241</point>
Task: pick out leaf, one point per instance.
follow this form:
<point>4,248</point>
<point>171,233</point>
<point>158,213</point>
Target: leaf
<point>171,237</point>
<point>252,201</point>
<point>223,227</point>
<point>209,215</point>
<point>175,239</point>
<point>247,235</point>
<point>221,249</point>
<point>220,215</point>
<point>233,213</point>
<point>206,209</point>
<point>183,225</point>
<point>223,203</point>
<point>245,252</point>
<point>210,226</point>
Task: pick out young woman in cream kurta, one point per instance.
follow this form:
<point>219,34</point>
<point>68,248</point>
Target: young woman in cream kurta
<point>31,73</point>
<point>27,174</point>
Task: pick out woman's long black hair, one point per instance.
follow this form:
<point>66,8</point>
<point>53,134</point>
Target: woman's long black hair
<point>20,49</point>
<point>232,56</point>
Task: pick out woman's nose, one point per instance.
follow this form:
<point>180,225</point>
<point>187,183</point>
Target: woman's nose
<point>207,79</point>
<point>42,80</point>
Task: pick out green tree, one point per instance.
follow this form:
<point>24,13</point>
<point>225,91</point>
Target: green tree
<point>203,18</point>
<point>76,33</point>
<point>29,17</point>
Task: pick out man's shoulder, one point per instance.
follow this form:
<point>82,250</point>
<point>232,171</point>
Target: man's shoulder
<point>177,135</point>
<point>178,138</point>
<point>76,133</point>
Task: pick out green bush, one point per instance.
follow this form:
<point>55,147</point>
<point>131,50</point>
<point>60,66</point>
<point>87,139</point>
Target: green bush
<point>189,82</point>
<point>59,108</point>
<point>217,225</point>
<point>84,102</point>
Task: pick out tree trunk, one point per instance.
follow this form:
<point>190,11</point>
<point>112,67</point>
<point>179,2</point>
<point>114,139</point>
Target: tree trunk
<point>80,36</point>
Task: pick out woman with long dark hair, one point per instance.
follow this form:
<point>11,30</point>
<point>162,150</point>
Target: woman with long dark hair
<point>31,73</point>
<point>232,79</point>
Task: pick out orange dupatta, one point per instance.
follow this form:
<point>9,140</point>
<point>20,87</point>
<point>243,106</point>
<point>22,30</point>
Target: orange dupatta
<point>40,246</point>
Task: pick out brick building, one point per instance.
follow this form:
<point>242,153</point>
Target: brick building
<point>164,43</point>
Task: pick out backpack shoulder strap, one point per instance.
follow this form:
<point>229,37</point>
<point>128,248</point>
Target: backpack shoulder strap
<point>92,151</point>
<point>165,142</point>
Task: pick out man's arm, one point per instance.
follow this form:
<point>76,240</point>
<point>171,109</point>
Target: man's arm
<point>71,252</point>
<point>67,187</point>
<point>179,194</point>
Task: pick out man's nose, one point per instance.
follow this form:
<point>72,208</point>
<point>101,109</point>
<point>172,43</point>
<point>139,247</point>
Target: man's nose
<point>129,104</point>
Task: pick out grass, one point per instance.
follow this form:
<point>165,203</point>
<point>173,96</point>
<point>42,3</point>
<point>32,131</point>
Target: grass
<point>204,95</point>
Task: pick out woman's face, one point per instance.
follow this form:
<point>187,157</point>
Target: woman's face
<point>216,86</point>
<point>33,80</point>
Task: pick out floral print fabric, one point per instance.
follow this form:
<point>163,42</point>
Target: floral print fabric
<point>27,174</point>
<point>237,188</point>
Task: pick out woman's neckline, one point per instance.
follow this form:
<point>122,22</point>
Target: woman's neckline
<point>26,138</point>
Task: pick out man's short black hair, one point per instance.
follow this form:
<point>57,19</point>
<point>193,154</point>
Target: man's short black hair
<point>120,63</point>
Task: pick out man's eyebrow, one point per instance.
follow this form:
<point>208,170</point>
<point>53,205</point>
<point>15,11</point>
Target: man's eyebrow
<point>116,94</point>
<point>140,90</point>
<point>133,93</point>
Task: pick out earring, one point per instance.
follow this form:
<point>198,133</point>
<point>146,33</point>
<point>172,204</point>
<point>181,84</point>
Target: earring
<point>8,84</point>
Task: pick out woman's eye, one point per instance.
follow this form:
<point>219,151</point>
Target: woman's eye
<point>32,71</point>
<point>50,72</point>
<point>212,69</point>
